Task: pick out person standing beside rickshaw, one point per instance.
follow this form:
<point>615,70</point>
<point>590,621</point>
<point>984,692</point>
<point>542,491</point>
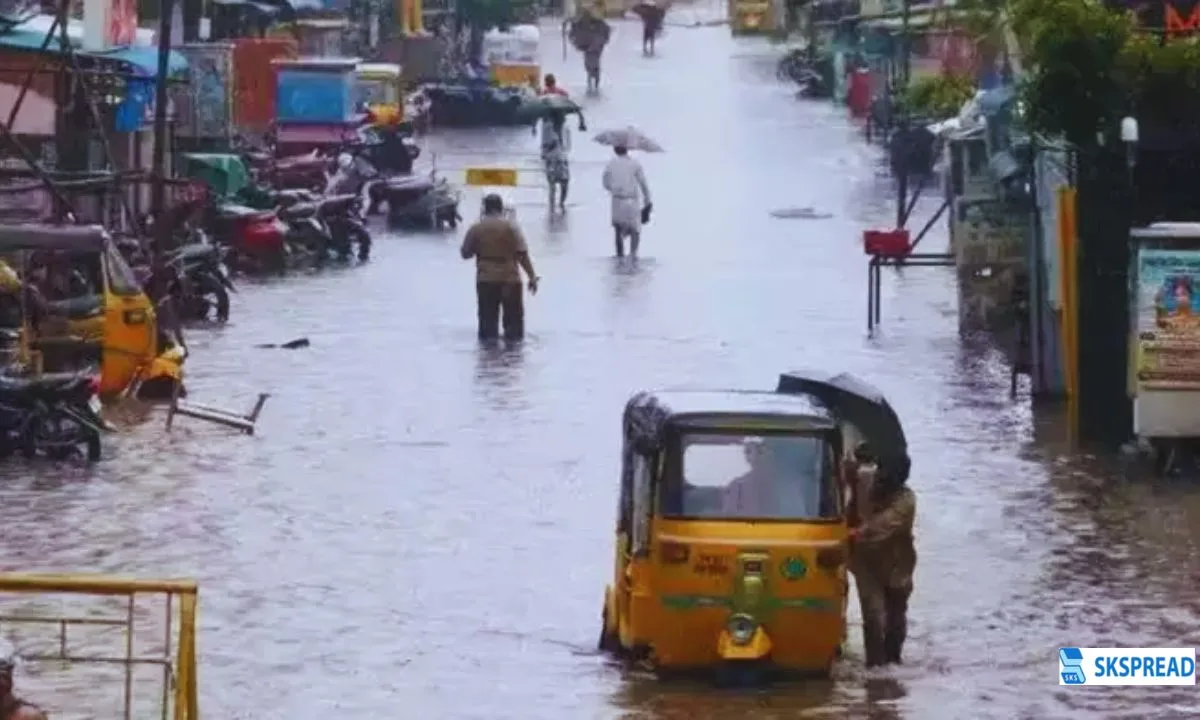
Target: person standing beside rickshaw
<point>883,554</point>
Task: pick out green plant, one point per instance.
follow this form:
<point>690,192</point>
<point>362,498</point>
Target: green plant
<point>938,96</point>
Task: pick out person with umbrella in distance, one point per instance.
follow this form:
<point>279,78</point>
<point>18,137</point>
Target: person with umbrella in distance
<point>625,181</point>
<point>550,113</point>
<point>652,15</point>
<point>500,253</point>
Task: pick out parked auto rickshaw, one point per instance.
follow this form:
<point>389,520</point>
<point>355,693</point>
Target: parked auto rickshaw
<point>92,311</point>
<point>731,546</point>
<point>377,88</point>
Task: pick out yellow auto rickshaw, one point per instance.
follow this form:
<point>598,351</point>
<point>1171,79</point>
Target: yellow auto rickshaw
<point>378,90</point>
<point>731,547</point>
<point>91,310</point>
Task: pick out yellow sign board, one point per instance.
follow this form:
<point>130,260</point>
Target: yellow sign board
<point>506,177</point>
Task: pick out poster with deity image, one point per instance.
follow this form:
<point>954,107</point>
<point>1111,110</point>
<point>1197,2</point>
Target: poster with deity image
<point>1168,319</point>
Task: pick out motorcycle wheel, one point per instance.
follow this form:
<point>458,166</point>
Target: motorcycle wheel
<point>47,433</point>
<point>211,295</point>
<point>363,239</point>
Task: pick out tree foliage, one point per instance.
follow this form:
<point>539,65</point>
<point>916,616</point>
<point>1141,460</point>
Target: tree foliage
<point>1087,66</point>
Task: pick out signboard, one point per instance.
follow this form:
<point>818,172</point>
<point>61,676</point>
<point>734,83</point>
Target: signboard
<point>121,23</point>
<point>505,177</point>
<point>1173,18</point>
<point>204,103</point>
<point>1168,319</point>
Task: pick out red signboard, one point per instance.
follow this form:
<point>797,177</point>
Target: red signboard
<point>120,23</point>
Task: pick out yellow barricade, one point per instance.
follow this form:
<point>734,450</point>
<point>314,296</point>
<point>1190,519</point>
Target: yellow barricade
<point>65,622</point>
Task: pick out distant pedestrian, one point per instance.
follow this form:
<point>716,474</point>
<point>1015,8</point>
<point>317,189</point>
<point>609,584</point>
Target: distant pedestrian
<point>551,87</point>
<point>626,183</point>
<point>500,253</point>
<point>556,146</point>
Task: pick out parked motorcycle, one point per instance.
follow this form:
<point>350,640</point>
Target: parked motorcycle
<point>197,278</point>
<point>55,415</point>
<point>414,201</point>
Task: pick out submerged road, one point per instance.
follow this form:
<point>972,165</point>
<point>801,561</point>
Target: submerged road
<point>423,528</point>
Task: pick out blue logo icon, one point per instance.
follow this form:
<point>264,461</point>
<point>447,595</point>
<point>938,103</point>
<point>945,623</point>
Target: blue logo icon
<point>1070,666</point>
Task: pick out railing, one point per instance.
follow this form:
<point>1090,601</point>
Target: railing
<point>176,656</point>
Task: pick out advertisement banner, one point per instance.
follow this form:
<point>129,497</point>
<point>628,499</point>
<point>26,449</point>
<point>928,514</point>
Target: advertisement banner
<point>1168,319</point>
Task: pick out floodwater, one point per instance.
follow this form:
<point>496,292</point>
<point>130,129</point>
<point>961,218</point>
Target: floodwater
<point>422,528</point>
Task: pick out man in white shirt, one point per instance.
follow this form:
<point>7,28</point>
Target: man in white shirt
<point>624,180</point>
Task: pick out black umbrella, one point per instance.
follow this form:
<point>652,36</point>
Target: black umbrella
<point>859,403</point>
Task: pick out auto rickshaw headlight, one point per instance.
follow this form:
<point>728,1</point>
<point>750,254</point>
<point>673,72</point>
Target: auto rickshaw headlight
<point>741,629</point>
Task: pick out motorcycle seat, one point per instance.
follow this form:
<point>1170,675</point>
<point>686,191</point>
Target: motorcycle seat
<point>56,382</point>
<point>298,211</point>
<point>259,157</point>
<point>194,251</point>
<point>287,198</point>
<point>233,211</point>
<point>407,183</point>
<point>300,161</point>
<point>335,203</point>
<point>77,308</point>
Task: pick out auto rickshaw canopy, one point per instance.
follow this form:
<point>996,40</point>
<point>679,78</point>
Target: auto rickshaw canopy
<point>68,238</point>
<point>225,174</point>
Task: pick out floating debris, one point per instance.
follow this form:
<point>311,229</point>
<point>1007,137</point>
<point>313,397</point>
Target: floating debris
<point>804,213</point>
<point>290,345</point>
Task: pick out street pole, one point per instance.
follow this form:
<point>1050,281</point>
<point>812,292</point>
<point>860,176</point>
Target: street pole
<point>900,141</point>
<point>159,165</point>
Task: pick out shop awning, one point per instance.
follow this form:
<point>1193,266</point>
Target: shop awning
<point>142,59</point>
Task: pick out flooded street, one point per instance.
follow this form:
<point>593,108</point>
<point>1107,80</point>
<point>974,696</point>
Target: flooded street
<point>423,528</point>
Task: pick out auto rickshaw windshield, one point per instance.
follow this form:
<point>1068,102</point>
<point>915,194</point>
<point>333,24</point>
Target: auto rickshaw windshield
<point>740,476</point>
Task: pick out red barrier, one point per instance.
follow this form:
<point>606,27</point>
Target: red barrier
<point>887,243</point>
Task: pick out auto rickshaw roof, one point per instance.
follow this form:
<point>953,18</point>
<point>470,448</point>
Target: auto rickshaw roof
<point>649,413</point>
<point>71,238</point>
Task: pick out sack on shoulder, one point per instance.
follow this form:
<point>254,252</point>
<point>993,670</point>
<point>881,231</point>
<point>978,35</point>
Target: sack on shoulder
<point>646,213</point>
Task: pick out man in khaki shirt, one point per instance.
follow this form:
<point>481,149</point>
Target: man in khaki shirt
<point>500,253</point>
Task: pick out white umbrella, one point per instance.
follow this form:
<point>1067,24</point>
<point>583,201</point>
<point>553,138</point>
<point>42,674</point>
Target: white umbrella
<point>629,137</point>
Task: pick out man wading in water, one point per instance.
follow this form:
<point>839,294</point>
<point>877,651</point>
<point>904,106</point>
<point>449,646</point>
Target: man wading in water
<point>12,707</point>
<point>500,254</point>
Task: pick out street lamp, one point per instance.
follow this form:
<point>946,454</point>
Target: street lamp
<point>1129,136</point>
